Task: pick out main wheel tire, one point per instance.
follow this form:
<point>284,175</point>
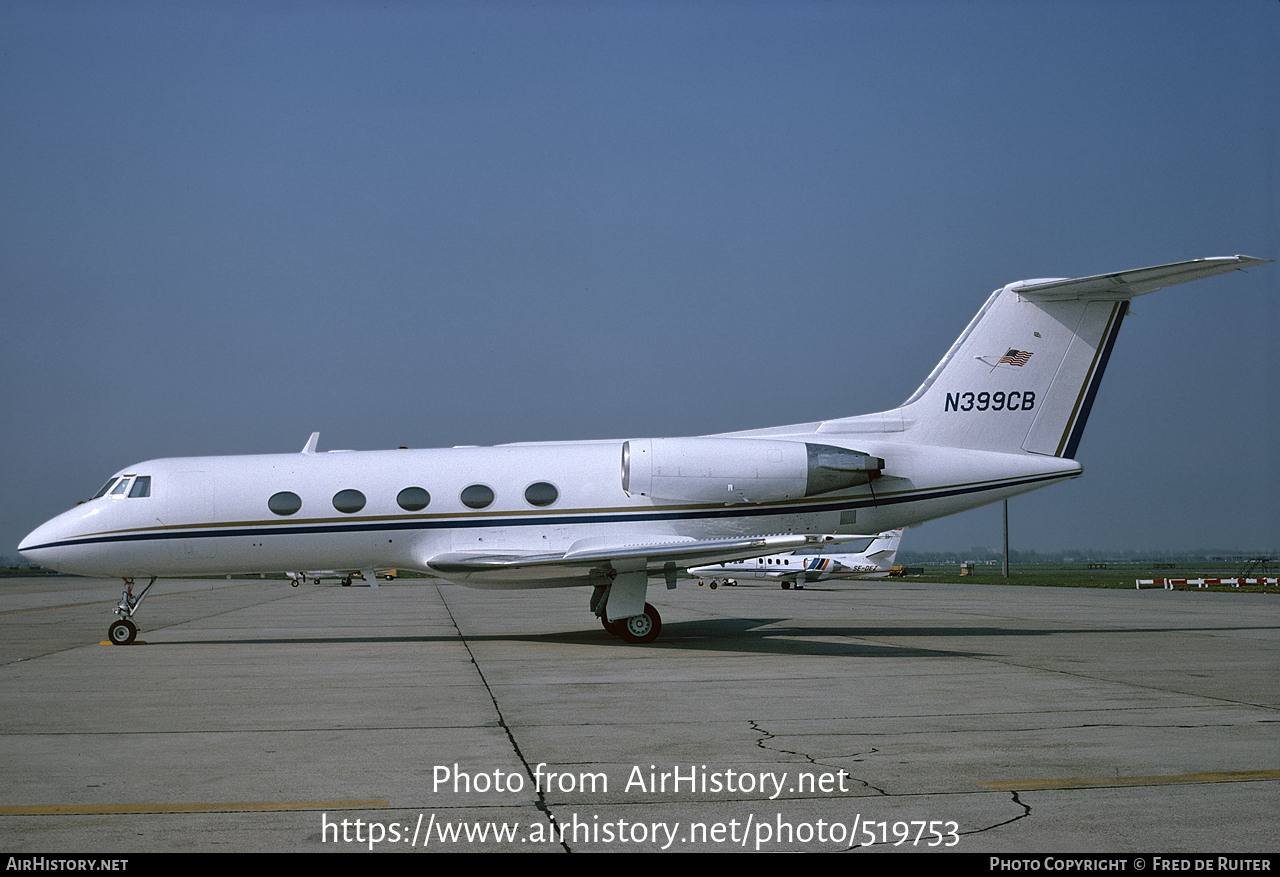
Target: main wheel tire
<point>641,629</point>
<point>122,632</point>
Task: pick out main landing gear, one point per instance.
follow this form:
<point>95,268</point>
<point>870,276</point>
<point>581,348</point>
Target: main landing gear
<point>123,631</point>
<point>625,591</point>
<point>638,629</point>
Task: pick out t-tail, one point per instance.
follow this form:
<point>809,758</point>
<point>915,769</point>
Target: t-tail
<point>1023,375</point>
<point>883,550</point>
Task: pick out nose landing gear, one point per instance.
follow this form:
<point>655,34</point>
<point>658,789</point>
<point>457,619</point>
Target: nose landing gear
<point>123,631</point>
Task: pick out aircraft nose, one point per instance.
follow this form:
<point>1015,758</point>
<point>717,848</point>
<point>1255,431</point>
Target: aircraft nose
<point>41,544</point>
<point>27,547</point>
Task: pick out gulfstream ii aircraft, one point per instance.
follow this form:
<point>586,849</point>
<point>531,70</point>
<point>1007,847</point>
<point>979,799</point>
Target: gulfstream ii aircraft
<point>795,569</point>
<point>1001,414</point>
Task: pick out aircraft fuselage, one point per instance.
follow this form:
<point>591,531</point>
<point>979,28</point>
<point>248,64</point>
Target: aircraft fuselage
<point>213,515</point>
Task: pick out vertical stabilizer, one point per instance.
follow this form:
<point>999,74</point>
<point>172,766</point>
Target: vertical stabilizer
<point>883,550</point>
<point>1023,375</point>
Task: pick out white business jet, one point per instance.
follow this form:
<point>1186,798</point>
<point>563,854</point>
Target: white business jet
<point>1000,415</point>
<point>798,568</point>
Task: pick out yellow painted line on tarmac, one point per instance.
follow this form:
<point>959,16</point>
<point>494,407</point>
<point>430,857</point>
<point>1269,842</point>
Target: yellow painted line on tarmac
<point>223,807</point>
<point>1239,776</point>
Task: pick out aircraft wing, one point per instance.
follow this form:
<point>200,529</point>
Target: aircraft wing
<point>1124,285</point>
<point>580,561</point>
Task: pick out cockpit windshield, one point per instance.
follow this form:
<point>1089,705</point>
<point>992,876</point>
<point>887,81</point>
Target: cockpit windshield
<point>132,486</point>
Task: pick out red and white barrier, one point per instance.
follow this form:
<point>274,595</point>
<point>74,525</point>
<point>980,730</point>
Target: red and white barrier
<point>1203,583</point>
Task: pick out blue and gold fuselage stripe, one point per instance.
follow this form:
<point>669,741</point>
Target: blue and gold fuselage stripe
<point>540,519</point>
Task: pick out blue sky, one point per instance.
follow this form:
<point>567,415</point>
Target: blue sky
<point>225,225</point>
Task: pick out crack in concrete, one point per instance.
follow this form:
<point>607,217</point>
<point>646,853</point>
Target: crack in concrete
<point>856,756</point>
<point>540,801</point>
<point>766,736</point>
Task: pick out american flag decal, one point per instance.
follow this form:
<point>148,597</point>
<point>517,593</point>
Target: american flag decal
<point>1015,357</point>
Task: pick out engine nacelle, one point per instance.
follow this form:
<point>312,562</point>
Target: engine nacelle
<point>740,470</point>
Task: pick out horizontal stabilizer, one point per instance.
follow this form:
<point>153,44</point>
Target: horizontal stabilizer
<point>1124,285</point>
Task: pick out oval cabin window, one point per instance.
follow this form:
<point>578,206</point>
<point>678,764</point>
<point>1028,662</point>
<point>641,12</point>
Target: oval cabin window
<point>541,494</point>
<point>477,496</point>
<point>348,501</point>
<point>284,503</point>
<point>413,499</point>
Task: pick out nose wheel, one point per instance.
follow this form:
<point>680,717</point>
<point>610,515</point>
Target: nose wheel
<point>122,632</point>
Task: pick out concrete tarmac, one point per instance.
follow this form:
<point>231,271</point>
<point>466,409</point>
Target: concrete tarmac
<point>255,716</point>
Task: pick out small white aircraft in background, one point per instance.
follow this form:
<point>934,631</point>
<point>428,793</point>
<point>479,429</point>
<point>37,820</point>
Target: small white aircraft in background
<point>343,577</point>
<point>1001,414</point>
<point>798,568</point>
